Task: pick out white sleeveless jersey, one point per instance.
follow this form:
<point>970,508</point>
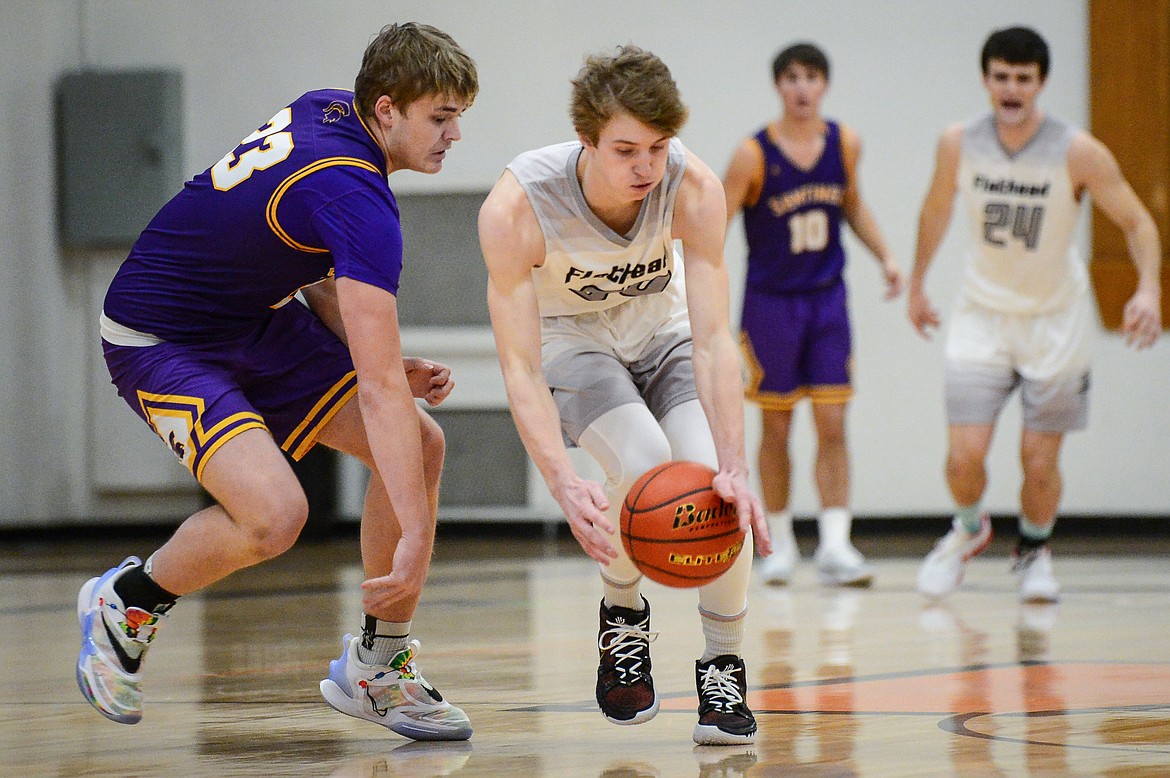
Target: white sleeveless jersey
<point>588,267</point>
<point>1023,215</point>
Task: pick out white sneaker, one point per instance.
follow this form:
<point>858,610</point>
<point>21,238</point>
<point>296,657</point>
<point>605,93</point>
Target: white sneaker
<point>114,640</point>
<point>394,695</point>
<point>942,569</point>
<point>778,568</point>
<point>842,566</point>
<point>1034,575</point>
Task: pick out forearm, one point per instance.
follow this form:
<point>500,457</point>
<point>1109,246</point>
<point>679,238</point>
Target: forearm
<point>1146,251</point>
<point>392,429</point>
<point>931,228</point>
<point>720,389</point>
<point>538,423</point>
<point>865,227</point>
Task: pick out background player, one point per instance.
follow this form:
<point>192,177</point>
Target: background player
<point>601,341</point>
<point>1023,317</point>
<point>205,341</point>
<point>795,181</point>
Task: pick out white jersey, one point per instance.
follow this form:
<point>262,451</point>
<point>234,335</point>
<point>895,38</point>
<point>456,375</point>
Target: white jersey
<point>588,267</point>
<point>1023,215</point>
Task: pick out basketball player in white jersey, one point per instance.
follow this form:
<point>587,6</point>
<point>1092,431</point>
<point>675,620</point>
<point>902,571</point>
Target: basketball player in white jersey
<point>1023,317</point>
<point>603,345</point>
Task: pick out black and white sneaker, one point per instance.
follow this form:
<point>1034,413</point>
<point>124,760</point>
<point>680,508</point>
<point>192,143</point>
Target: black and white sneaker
<point>625,690</point>
<point>724,717</point>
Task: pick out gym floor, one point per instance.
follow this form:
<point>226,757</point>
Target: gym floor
<point>844,682</point>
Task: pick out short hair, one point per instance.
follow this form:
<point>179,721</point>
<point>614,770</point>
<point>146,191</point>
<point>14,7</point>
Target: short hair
<point>808,54</point>
<point>409,61</point>
<point>1016,46</point>
<point>631,81</point>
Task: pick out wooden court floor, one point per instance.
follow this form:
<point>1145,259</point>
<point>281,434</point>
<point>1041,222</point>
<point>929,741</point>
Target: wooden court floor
<point>844,682</point>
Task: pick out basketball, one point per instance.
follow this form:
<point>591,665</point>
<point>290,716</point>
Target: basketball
<point>676,529</point>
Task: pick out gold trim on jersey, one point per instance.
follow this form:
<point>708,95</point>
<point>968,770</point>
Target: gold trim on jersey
<point>186,436</point>
<point>362,120</point>
<point>289,298</point>
<point>274,201</point>
<point>335,399</point>
<point>755,369</point>
<point>820,394</point>
<point>830,394</point>
<point>826,394</point>
<point>205,456</point>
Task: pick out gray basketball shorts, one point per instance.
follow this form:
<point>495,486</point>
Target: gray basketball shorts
<point>588,380</point>
<point>989,355</point>
<point>975,394</point>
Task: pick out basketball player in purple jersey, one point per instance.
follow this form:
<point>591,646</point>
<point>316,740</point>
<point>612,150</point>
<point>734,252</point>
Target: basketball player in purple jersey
<point>795,181</point>
<point>207,342</point>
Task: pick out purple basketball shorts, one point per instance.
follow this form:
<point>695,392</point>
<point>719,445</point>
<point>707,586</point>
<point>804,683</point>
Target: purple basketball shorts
<point>797,346</point>
<point>289,375</point>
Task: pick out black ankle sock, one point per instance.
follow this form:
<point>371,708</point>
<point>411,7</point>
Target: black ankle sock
<point>1024,545</point>
<point>378,648</point>
<point>138,590</point>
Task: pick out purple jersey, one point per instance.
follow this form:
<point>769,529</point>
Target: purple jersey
<point>794,229</point>
<point>302,198</point>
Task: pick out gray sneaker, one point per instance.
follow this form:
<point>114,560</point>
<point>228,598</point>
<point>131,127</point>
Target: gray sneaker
<point>844,566</point>
<point>778,567</point>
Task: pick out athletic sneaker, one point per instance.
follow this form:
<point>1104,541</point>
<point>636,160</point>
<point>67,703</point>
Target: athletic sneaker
<point>942,570</point>
<point>724,717</point>
<point>625,690</point>
<point>842,566</point>
<point>1034,575</point>
<point>114,640</point>
<point>394,695</point>
<point>777,568</point>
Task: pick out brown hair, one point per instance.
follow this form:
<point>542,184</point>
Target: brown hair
<point>408,61</point>
<point>631,81</point>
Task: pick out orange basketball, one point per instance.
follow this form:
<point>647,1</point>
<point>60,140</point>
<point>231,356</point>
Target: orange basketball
<point>676,529</point>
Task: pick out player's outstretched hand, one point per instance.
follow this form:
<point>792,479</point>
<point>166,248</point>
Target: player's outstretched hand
<point>1142,319</point>
<point>582,502</point>
<point>412,556</point>
<point>923,315</point>
<point>733,487</point>
<point>428,379</point>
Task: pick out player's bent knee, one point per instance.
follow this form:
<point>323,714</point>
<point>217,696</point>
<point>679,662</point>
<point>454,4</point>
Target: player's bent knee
<point>277,530</point>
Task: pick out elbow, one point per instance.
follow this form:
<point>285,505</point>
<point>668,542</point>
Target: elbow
<point>1140,227</point>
